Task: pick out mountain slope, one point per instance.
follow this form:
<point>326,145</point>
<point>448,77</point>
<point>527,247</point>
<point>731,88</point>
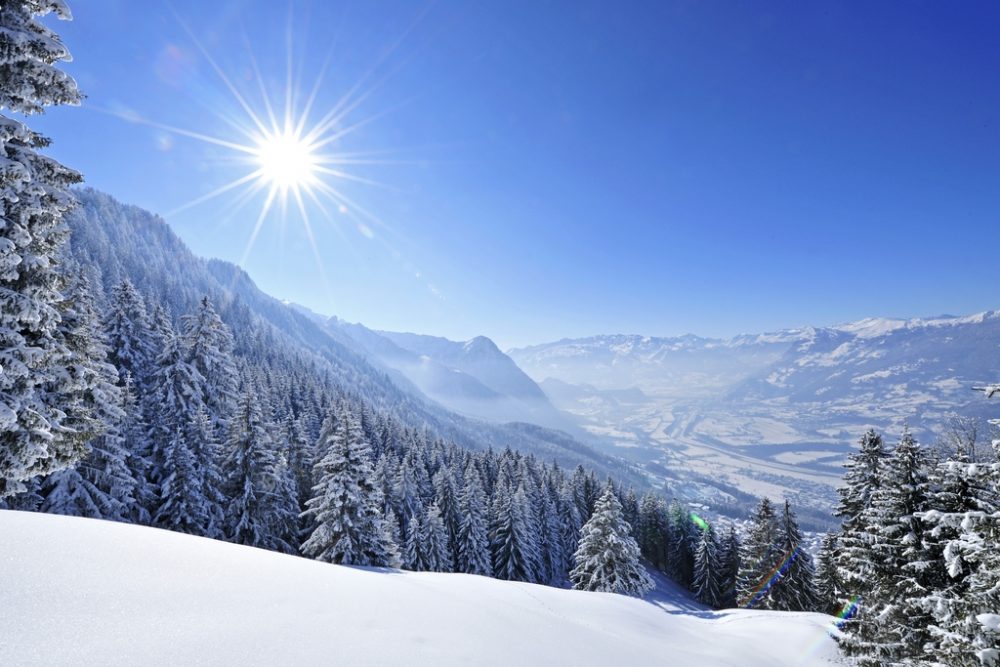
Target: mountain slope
<point>85,592</point>
<point>114,241</point>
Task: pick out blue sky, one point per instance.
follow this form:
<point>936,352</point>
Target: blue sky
<point>565,169</point>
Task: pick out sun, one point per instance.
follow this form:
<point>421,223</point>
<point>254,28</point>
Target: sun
<point>288,147</point>
<point>286,160</point>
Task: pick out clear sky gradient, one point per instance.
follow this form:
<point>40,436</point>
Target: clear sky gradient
<point>564,169</point>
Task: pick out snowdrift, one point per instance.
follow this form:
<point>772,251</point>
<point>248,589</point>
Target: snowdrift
<point>85,592</point>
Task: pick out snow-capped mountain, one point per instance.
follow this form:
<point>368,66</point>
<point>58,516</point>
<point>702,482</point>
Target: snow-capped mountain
<point>472,377</point>
<point>479,357</point>
<point>774,413</point>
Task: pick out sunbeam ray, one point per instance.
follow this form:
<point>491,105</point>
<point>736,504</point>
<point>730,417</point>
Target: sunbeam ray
<point>218,70</point>
<point>252,176</point>
<point>257,225</point>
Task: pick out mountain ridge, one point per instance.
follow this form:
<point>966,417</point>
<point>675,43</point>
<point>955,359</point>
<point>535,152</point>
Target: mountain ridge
<point>113,241</point>
<point>773,413</point>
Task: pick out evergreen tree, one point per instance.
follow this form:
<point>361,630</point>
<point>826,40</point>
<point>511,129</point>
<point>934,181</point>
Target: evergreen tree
<point>129,333</point>
<point>209,348</point>
<point>286,509</point>
<point>652,531</point>
<point>393,538</point>
<point>794,590</point>
<point>435,552</point>
<point>205,449</point>
<point>966,613</point>
<point>607,559</point>
<point>708,569</point>
<point>630,510</point>
<point>182,503</point>
<point>569,528</point>
<point>406,493</point>
<point>473,533</point>
<point>88,393</point>
<point>761,558</point>
<point>890,627</point>
<point>549,528</point>
<point>134,434</point>
<point>513,543</point>
<point>101,486</point>
<point>412,555</point>
<point>730,569</point>
<point>446,499</point>
<point>178,447</point>
<point>962,529</point>
<point>252,485</point>
<point>36,401</point>
<point>861,480</point>
<point>829,587</point>
<point>680,544</point>
<point>346,503</point>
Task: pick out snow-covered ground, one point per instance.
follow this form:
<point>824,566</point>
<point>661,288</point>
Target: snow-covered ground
<point>84,592</point>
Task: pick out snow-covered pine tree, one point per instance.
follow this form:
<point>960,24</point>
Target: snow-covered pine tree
<point>101,486</point>
<point>286,509</point>
<point>446,499</point>
<point>412,556</point>
<point>513,542</point>
<point>346,504</point>
<point>301,457</point>
<point>890,626</point>
<point>209,348</point>
<point>680,544</point>
<point>435,552</point>
<point>550,529</point>
<point>182,502</point>
<point>393,538</point>
<point>795,589</point>
<point>652,530</point>
<point>252,481</point>
<point>829,588</point>
<point>707,582</point>
<point>965,522</point>
<point>607,559</point>
<point>406,500</point>
<point>35,401</point>
<point>89,393</point>
<point>585,491</point>
<point>473,532</point>
<point>128,328</point>
<point>630,510</point>
<point>176,441</point>
<point>161,328</point>
<point>861,480</point>
<point>730,565</point>
<point>134,434</point>
<point>569,527</point>
<point>205,449</point>
<point>761,555</point>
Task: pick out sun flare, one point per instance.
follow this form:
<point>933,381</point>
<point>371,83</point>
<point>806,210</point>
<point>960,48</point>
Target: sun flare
<point>286,160</point>
<point>290,146</point>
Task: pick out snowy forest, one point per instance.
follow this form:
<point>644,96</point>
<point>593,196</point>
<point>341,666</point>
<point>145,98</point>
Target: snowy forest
<point>142,385</point>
